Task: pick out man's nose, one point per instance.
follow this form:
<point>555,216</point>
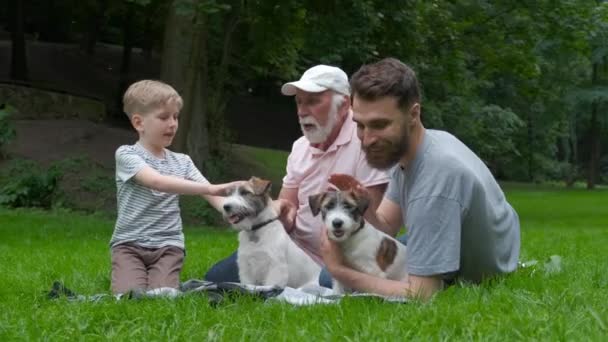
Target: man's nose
<point>303,111</point>
<point>367,138</point>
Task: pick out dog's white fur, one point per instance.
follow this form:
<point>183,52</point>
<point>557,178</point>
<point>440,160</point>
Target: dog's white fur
<point>360,245</point>
<point>267,256</point>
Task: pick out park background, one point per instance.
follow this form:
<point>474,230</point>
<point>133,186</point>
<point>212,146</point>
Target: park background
<point>523,83</point>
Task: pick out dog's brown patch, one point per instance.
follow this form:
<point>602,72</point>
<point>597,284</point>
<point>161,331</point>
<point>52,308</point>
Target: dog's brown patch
<point>260,186</point>
<point>386,253</point>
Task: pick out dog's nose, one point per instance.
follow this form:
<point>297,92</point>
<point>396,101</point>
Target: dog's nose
<point>337,223</point>
<point>227,207</point>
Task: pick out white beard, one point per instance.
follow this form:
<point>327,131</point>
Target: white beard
<point>319,133</point>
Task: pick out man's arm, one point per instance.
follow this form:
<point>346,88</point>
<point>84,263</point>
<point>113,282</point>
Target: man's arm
<point>386,218</point>
<point>413,287</point>
<point>287,205</point>
<point>382,213</point>
<point>375,194</point>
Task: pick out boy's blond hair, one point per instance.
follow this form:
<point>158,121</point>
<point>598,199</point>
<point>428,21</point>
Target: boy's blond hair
<point>144,96</point>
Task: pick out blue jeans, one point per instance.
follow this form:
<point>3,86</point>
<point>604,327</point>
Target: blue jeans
<point>325,278</point>
<point>225,270</point>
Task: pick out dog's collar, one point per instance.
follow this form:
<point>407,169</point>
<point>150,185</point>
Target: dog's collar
<point>359,229</point>
<point>262,224</point>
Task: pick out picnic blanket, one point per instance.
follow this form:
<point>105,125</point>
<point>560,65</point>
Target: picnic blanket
<point>218,293</point>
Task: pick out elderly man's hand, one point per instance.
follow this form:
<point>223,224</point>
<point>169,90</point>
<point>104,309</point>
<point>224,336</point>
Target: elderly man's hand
<point>287,213</point>
<point>330,252</point>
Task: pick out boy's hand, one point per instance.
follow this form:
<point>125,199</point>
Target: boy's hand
<point>224,189</point>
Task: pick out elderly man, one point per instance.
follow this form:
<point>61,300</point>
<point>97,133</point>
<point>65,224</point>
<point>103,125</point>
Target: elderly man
<point>460,225</point>
<point>330,145</point>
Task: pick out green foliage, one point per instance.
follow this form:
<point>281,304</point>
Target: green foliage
<point>7,131</point>
<point>29,186</point>
<point>481,63</point>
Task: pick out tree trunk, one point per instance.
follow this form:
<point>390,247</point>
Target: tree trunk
<point>530,148</point>
<point>197,139</point>
<point>594,137</point>
<point>572,147</point>
<point>127,47</point>
<point>182,65</point>
<point>96,22</point>
<point>18,50</point>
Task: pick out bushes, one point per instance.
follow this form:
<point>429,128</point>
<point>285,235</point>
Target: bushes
<point>29,185</point>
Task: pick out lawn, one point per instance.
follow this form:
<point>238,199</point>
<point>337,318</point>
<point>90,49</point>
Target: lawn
<point>39,247</point>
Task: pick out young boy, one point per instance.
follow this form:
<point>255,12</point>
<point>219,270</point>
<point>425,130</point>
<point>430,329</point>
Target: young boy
<point>148,244</point>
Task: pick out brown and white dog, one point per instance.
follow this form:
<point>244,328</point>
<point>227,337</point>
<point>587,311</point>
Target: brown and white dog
<point>364,247</point>
<point>266,254</point>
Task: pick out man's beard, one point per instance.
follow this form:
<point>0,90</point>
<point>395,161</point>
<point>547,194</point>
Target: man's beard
<point>319,134</point>
<point>384,154</point>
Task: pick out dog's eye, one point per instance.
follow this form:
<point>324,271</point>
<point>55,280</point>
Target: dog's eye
<point>330,205</point>
<point>347,206</point>
<point>244,192</point>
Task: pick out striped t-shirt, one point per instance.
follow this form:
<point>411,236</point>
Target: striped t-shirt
<point>146,217</point>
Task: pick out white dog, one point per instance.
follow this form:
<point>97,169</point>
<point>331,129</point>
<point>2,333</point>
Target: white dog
<point>266,254</point>
<point>365,248</point>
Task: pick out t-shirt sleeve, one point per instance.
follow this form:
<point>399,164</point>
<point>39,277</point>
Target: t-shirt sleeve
<point>394,188</point>
<point>434,233</point>
<point>367,175</point>
<point>193,173</point>
<point>128,164</point>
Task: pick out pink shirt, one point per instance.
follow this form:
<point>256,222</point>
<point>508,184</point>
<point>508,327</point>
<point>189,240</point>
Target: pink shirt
<point>308,170</point>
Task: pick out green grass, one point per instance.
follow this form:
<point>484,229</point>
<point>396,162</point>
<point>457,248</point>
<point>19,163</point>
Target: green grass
<point>38,247</point>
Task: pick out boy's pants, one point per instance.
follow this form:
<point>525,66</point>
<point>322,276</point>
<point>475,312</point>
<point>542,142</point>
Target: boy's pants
<point>135,267</point>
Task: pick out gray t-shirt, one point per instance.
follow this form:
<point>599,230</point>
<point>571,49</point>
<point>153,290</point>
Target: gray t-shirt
<point>146,217</point>
<point>458,220</point>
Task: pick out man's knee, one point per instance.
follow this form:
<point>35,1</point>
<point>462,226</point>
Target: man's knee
<point>226,270</point>
<point>325,278</point>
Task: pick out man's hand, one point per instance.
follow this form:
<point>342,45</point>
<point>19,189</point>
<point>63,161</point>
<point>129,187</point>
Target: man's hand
<point>287,213</point>
<point>346,182</point>
<point>330,252</point>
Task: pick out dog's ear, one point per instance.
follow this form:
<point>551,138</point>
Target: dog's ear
<point>260,186</point>
<point>314,202</point>
<point>362,200</point>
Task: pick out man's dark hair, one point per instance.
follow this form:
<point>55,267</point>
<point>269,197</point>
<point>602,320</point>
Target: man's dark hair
<point>387,77</point>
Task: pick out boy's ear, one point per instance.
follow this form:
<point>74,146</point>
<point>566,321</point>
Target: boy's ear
<point>137,122</point>
<point>260,186</point>
<point>314,202</point>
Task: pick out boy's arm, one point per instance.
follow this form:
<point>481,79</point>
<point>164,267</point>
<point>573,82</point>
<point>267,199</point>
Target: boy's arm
<point>215,201</point>
<point>150,178</point>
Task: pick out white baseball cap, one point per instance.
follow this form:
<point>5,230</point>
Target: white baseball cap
<point>317,79</point>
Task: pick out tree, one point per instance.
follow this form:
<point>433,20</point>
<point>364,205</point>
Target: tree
<point>212,48</point>
<point>18,49</point>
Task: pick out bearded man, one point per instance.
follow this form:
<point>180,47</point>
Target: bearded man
<point>459,223</point>
<point>329,145</point>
